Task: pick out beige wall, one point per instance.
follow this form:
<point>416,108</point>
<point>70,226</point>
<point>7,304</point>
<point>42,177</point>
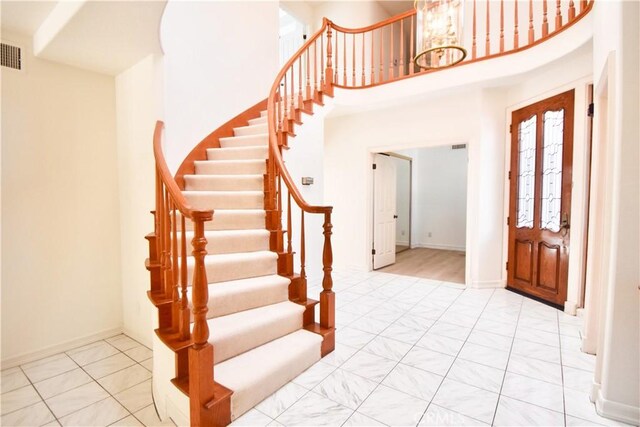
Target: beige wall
<point>60,225</point>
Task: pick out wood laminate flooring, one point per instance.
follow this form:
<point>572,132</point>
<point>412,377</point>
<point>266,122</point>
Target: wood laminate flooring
<point>435,264</point>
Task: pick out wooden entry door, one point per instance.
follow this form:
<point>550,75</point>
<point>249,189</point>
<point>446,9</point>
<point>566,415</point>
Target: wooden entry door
<point>540,198</point>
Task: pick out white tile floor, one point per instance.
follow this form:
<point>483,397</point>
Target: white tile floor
<point>409,352</point>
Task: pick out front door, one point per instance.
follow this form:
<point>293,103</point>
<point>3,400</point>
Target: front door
<point>384,215</point>
<point>540,198</point>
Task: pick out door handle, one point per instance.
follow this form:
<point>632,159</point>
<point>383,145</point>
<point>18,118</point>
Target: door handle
<point>395,217</point>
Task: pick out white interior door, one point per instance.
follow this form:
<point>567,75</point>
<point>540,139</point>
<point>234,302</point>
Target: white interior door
<point>384,211</point>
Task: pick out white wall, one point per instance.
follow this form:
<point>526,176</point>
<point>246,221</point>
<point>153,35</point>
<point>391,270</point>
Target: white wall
<point>60,216</point>
<point>349,14</point>
<point>138,102</point>
<point>440,207</point>
<point>220,59</point>
<point>403,199</point>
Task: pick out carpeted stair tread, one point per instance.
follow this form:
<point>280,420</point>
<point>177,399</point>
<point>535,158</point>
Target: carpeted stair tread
<point>251,130</point>
<point>259,152</point>
<point>264,113</point>
<point>244,141</point>
<point>230,167</point>
<point>226,267</point>
<point>239,332</point>
<point>233,241</point>
<point>244,294</point>
<point>204,200</point>
<point>224,182</point>
<point>258,373</point>
<point>258,121</point>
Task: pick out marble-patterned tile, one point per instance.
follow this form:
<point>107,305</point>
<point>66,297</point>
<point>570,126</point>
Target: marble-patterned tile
<point>149,417</point>
<point>136,397</point>
<point>372,326</point>
<point>577,379</point>
<point>18,399</point>
<point>450,330</point>
<point>570,343</point>
<point>533,391</point>
<point>53,423</point>
<point>34,415</point>
<point>477,375</point>
<point>101,413</point>
<point>512,412</point>
<point>139,353</point>
<point>536,351</point>
<point>92,352</point>
<point>437,416</point>
<point>346,388</point>
<point>358,307</point>
<point>495,327</point>
<point>49,367</point>
<point>315,410</point>
<point>369,366</point>
<point>107,366</point>
<point>345,319</point>
<point>534,368</point>
<point>387,347</point>
<point>252,418</point>
<point>385,314</point>
<point>122,342</point>
<point>414,322</point>
<point>578,360</point>
<point>577,404</point>
<point>129,421</point>
<point>339,355</point>
<point>570,330</point>
<point>13,379</point>
<point>537,336</point>
<point>427,360</point>
<point>427,312</point>
<point>403,333</point>
<point>312,376</point>
<point>281,400</point>
<point>353,337</point>
<point>533,322</point>
<point>488,339</point>
<point>147,364</point>
<point>413,381</point>
<point>578,422</point>
<point>359,420</point>
<point>122,380</point>
<point>467,400</point>
<point>392,407</point>
<point>460,319</point>
<point>61,383</point>
<point>440,343</point>
<point>76,399</point>
<point>484,355</point>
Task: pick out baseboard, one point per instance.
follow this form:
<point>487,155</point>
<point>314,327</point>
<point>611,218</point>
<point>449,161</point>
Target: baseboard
<point>570,308</point>
<point>442,247</point>
<point>58,348</point>
<point>488,284</point>
<point>399,243</point>
<point>616,410</point>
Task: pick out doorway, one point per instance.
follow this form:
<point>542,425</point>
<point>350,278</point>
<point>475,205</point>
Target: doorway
<point>540,198</point>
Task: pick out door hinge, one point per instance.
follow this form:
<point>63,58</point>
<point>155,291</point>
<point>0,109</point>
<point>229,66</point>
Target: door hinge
<point>511,128</point>
<point>506,265</point>
<point>373,251</point>
<point>590,110</point>
<point>374,165</point>
<point>509,175</point>
<point>508,221</point>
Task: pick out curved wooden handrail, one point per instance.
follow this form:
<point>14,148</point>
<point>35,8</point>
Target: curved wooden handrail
<point>165,175</point>
<point>273,139</point>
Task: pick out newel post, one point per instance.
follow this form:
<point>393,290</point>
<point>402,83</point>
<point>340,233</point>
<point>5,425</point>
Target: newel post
<point>327,296</point>
<point>201,352</point>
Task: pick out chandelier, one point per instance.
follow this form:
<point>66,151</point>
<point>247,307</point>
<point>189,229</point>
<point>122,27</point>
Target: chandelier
<point>439,33</point>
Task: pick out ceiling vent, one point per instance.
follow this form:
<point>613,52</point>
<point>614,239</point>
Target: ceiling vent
<point>459,146</point>
<point>11,56</point>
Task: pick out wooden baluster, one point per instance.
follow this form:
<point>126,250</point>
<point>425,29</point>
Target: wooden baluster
<point>373,73</point>
<point>487,48</point>
<point>392,73</point>
<point>201,367</point>
<point>329,71</point>
<point>315,65</point>
<point>501,26</point>
<point>300,96</point>
<point>335,58</point>
<point>401,65</point>
<point>302,293</point>
<point>185,320</point>
<point>289,249</point>
<point>155,286</point>
<point>558,16</point>
<point>363,81</point>
<point>531,32</point>
<point>174,259</point>
<point>545,23</point>
<point>279,203</point>
<point>308,90</point>
<point>279,112</point>
<point>292,107</point>
<point>583,5</point>
<point>327,297</point>
<point>353,59</point>
<point>572,10</point>
<point>411,65</point>
<point>473,42</point>
<point>322,70</point>
<point>168,290</point>
<point>285,118</point>
<point>516,35</point>
<point>344,59</point>
<point>381,76</point>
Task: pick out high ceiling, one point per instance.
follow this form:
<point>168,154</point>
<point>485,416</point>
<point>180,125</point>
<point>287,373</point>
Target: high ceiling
<point>396,7</point>
<point>24,17</point>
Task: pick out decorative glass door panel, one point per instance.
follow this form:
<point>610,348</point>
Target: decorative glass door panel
<point>540,198</point>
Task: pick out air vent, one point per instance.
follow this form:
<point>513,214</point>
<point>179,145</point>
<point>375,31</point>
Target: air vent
<point>459,146</point>
<point>11,56</point>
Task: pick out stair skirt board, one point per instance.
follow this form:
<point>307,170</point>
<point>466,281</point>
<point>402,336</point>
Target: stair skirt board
<point>256,374</point>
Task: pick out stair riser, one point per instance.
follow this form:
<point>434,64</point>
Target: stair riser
<point>251,130</point>
<point>226,183</point>
<point>231,244</point>
<point>252,141</point>
<point>258,121</point>
<point>235,270</point>
<point>252,153</point>
<point>226,200</point>
<point>257,167</point>
<point>244,222</point>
